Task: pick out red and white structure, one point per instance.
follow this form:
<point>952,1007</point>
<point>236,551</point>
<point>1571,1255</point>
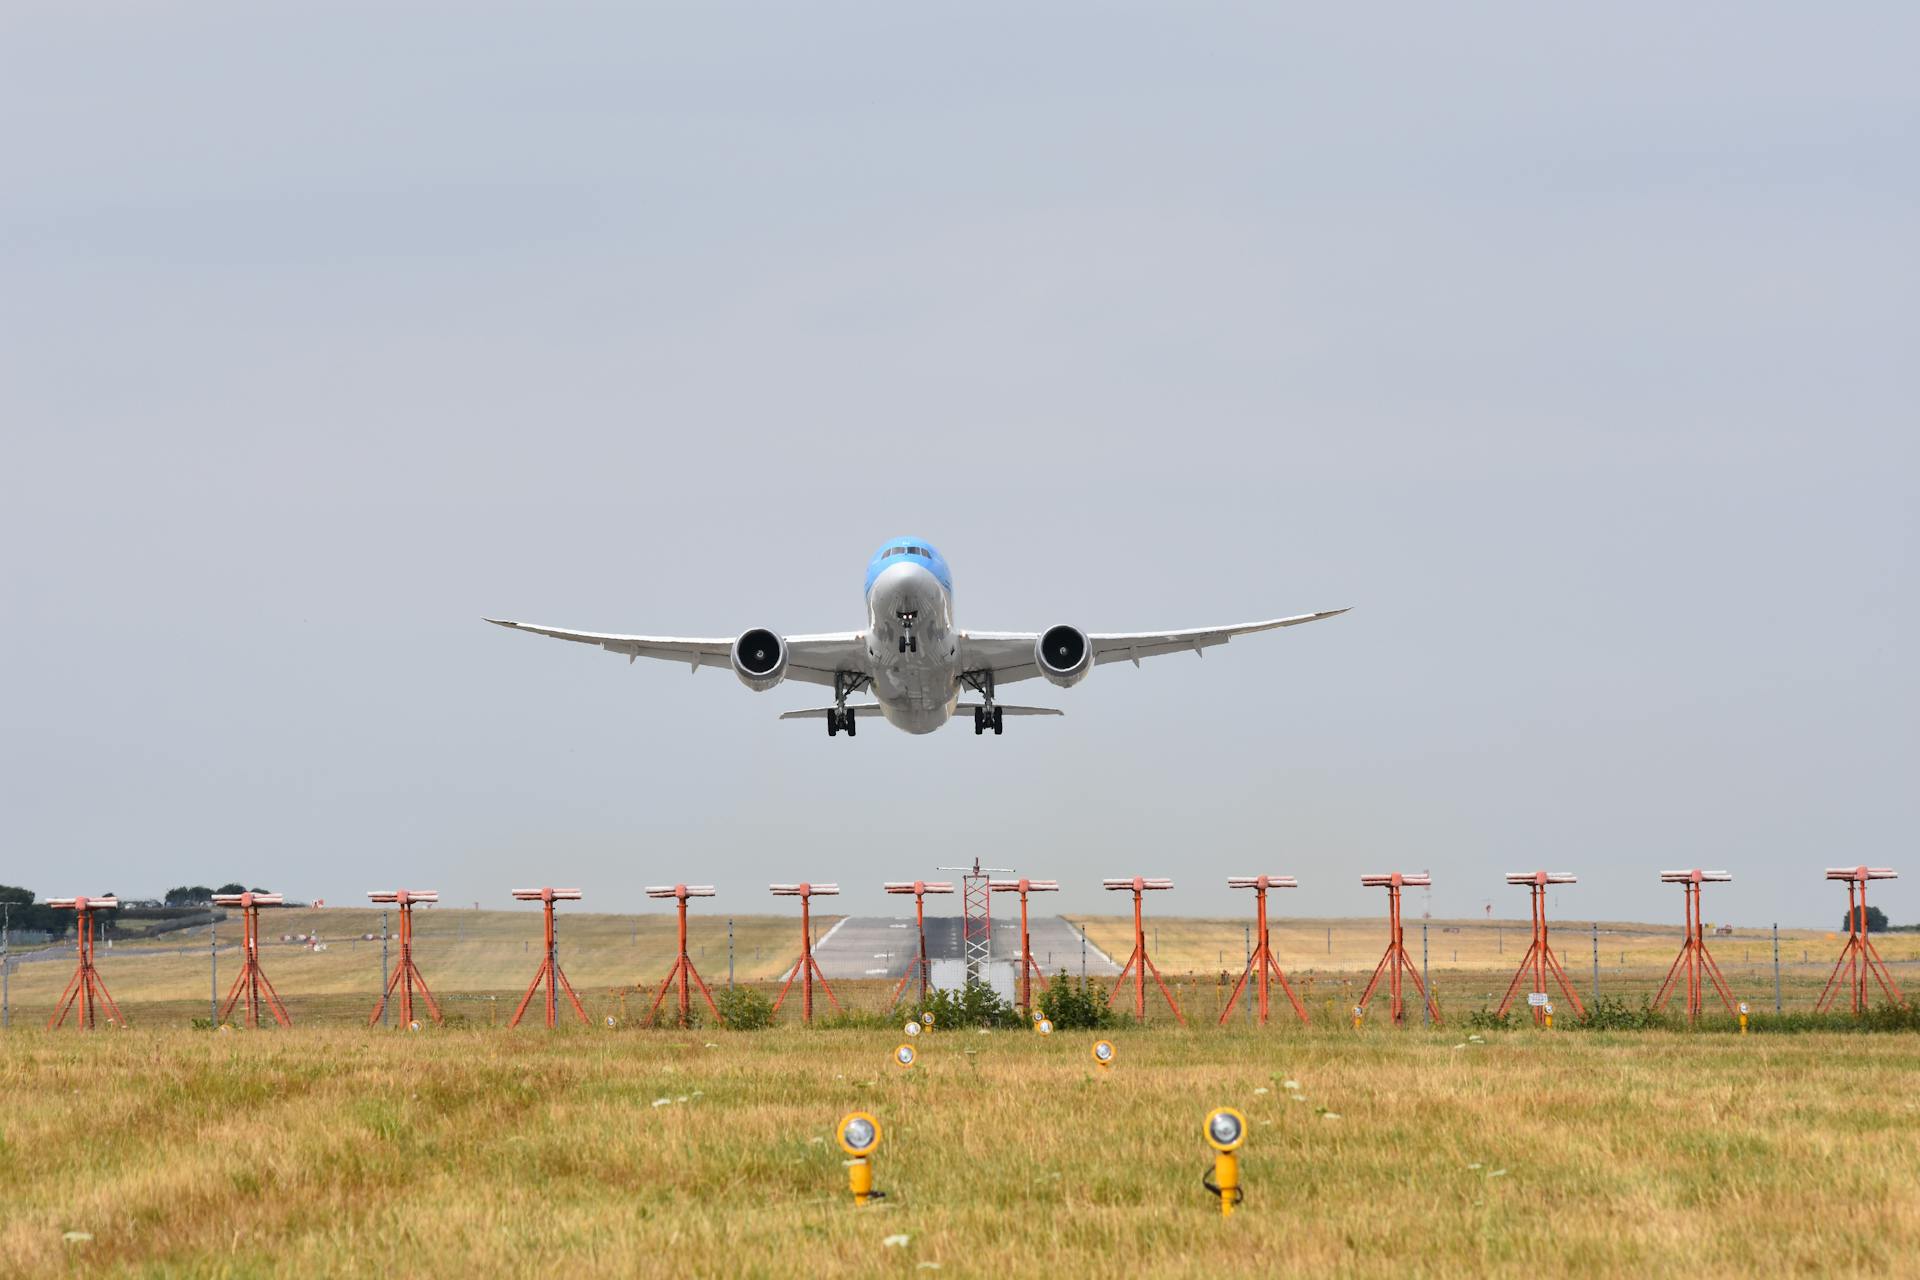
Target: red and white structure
<point>683,969</point>
<point>1139,964</point>
<point>252,982</point>
<point>1540,963</point>
<point>806,968</point>
<point>406,974</point>
<point>1396,964</point>
<point>1859,958</point>
<point>1261,965</point>
<point>919,889</point>
<point>549,971</point>
<point>85,990</point>
<point>976,915</point>
<point>1029,967</point>
<point>1695,963</point>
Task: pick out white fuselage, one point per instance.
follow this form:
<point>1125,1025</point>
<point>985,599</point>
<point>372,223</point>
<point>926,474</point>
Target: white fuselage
<point>918,684</point>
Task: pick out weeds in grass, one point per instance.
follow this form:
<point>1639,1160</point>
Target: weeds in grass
<point>1077,1005</point>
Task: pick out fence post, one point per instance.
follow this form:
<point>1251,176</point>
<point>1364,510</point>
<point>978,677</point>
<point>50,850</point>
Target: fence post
<point>386,1006</point>
<point>729,953</point>
<point>1776,968</point>
<point>1596,961</point>
<point>1426,1006</point>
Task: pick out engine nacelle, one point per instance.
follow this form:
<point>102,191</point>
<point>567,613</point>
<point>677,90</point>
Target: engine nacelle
<point>1064,655</point>
<point>760,659</point>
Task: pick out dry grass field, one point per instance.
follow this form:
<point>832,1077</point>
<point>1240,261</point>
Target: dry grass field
<point>475,961</point>
<point>472,1152</point>
<point>1471,961</point>
<point>479,962</point>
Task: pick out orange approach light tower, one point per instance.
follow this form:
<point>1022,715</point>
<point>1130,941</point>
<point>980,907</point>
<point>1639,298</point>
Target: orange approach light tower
<point>406,974</point>
<point>1694,960</point>
<point>1261,964</point>
<point>683,963</point>
<point>252,982</point>
<point>919,889</point>
<point>549,971</point>
<point>1029,967</point>
<point>85,987</point>
<point>1859,958</point>
<point>1539,962</point>
<point>806,968</point>
<point>1138,963</point>
<point>1396,963</point>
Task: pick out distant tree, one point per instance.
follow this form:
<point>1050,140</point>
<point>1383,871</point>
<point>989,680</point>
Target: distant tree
<point>231,888</point>
<point>197,895</point>
<point>1876,921</point>
<point>24,913</point>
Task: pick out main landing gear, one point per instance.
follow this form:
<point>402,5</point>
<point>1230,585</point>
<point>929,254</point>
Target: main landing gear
<point>985,716</point>
<point>845,684</point>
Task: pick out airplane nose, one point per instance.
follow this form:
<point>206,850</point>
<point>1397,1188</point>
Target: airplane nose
<point>906,584</point>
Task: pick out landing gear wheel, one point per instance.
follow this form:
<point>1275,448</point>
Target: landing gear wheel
<point>999,720</point>
<point>847,724</point>
<point>833,723</point>
<point>979,722</point>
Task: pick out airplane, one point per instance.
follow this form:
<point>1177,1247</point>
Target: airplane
<point>912,658</point>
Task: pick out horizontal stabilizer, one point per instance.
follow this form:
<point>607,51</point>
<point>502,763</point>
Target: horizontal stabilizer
<point>860,708</point>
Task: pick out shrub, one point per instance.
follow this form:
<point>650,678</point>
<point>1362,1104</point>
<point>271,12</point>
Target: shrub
<point>1611,1013</point>
<point>1077,1005</point>
<point>744,1009</point>
<point>974,1005</point>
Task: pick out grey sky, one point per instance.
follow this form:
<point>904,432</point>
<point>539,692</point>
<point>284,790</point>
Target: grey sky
<point>1577,351</point>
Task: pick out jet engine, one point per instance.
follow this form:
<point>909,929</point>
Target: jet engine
<point>760,659</point>
<point>1064,654</point>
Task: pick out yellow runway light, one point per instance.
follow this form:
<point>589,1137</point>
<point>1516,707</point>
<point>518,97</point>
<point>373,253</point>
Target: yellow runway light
<point>859,1137</point>
<point>1225,1130</point>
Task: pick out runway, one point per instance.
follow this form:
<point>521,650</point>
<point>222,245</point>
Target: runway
<point>883,947</point>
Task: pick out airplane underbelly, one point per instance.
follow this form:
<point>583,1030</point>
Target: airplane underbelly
<point>917,696</point>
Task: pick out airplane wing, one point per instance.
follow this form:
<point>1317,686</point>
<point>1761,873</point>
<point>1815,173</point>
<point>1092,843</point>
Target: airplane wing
<point>1009,654</point>
<point>813,659</point>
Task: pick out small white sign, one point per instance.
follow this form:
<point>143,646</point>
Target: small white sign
<point>1536,998</point>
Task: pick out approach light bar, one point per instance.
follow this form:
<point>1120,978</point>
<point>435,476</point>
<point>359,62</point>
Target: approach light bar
<point>1541,877</point>
<point>249,899</point>
<point>1695,876</point>
<point>1862,873</point>
<point>1030,886</point>
<point>1418,880</point>
<point>547,895</point>
<point>403,896</point>
<point>106,902</point>
<point>1262,882</point>
<point>680,891</point>
<point>919,886</point>
<point>1139,882</point>
<point>802,890</point>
